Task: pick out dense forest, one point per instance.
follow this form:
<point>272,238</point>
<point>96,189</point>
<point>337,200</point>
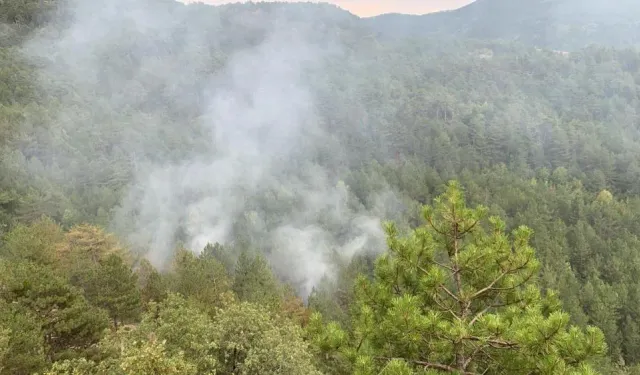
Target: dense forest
<point>280,188</point>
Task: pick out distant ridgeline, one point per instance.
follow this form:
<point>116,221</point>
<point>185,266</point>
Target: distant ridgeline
<point>557,24</point>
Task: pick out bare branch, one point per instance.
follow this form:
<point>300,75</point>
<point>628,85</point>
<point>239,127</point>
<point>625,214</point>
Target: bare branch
<point>436,366</point>
<point>499,344</point>
<point>445,266</point>
<point>450,293</point>
<point>479,315</point>
<point>469,229</point>
<point>491,286</point>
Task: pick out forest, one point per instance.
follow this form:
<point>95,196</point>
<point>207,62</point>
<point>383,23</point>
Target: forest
<point>287,188</point>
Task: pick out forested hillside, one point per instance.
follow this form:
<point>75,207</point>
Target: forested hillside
<point>281,188</point>
<point>557,24</point>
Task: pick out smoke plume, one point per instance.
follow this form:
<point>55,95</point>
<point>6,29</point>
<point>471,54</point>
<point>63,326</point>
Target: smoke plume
<point>257,169</point>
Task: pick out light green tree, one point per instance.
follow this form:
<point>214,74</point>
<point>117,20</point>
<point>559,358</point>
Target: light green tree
<point>252,341</point>
<point>201,279</point>
<point>151,358</point>
<point>35,242</point>
<point>79,366</point>
<point>184,329</point>
<point>5,335</point>
<point>458,295</point>
<point>22,350</point>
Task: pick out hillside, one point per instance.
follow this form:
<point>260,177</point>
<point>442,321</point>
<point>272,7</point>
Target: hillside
<point>190,189</point>
<point>557,24</point>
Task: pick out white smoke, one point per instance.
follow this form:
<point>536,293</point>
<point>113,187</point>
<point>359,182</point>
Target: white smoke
<point>261,131</point>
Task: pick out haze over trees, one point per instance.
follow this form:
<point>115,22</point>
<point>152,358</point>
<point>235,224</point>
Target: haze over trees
<point>277,188</point>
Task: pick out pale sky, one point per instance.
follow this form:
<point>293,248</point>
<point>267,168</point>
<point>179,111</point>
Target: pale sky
<point>373,7</point>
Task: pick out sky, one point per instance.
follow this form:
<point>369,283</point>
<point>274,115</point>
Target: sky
<point>365,8</point>
<point>374,7</point>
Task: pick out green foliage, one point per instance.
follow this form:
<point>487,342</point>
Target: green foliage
<point>334,298</point>
<point>4,346</point>
<point>604,196</point>
<point>152,284</point>
<point>201,279</point>
<point>69,324</point>
<point>254,281</point>
<point>541,138</point>
<point>175,336</point>
<point>112,286</point>
<point>150,358</point>
<point>23,11</point>
<point>252,341</point>
<point>35,242</point>
<point>72,367</point>
<point>222,254</point>
<point>23,343</point>
<point>184,329</point>
<point>454,296</point>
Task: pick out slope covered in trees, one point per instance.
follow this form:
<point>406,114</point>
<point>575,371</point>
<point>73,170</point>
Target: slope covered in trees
<point>172,175</point>
<point>556,24</point>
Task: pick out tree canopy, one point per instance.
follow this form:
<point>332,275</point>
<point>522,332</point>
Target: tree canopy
<point>197,189</point>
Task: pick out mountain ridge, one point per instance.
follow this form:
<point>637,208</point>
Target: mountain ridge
<point>557,24</point>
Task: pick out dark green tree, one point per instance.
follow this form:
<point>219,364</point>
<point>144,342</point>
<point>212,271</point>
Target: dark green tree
<point>222,254</point>
<point>69,324</point>
<point>152,283</point>
<point>113,287</point>
<point>254,281</point>
<point>22,341</point>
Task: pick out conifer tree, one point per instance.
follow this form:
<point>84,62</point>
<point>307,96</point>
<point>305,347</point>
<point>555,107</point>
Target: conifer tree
<point>201,279</point>
<point>69,324</point>
<point>22,350</point>
<point>151,283</point>
<point>35,242</point>
<point>458,295</point>
<point>113,286</point>
<point>254,281</point>
<point>220,253</point>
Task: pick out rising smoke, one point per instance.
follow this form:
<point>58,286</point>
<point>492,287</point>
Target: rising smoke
<point>258,172</point>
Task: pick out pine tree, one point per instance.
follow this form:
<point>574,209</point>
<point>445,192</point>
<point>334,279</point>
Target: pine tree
<point>199,279</point>
<point>113,286</point>
<point>254,281</point>
<point>35,242</point>
<point>220,253</point>
<point>151,283</point>
<point>69,324</point>
<point>459,296</point>
<point>85,246</point>
<point>22,350</point>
